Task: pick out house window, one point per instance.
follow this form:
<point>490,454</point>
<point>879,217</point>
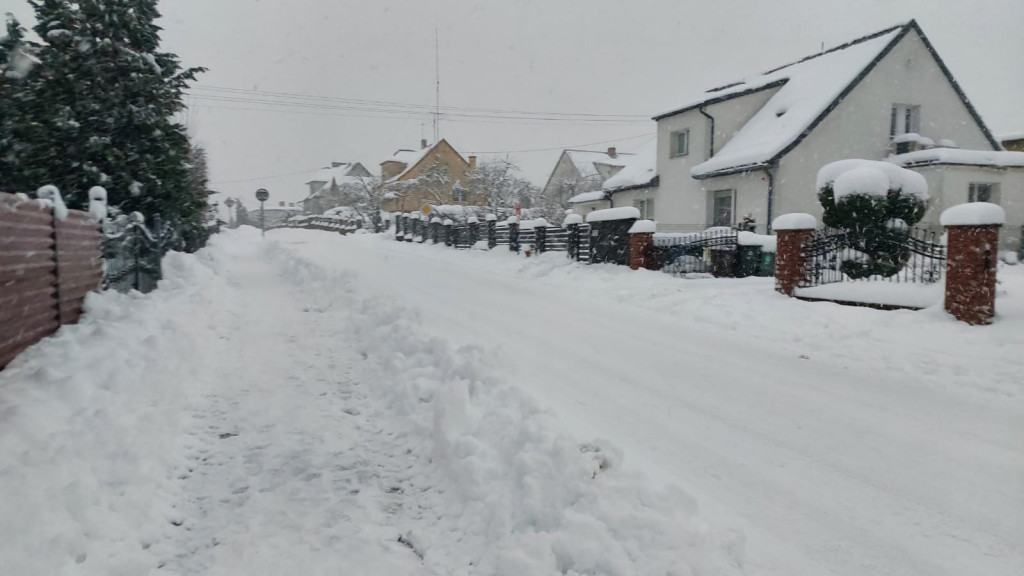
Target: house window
<point>646,208</point>
<point>458,194</point>
<point>983,192</point>
<point>722,207</point>
<point>681,143</point>
<point>905,119</point>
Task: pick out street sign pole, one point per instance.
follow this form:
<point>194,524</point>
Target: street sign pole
<point>262,195</point>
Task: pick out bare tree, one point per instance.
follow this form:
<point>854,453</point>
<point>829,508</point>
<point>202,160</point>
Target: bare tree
<point>502,186</point>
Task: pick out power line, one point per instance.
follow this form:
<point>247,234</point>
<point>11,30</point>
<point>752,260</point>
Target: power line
<point>419,107</point>
<point>272,176</point>
<point>647,135</point>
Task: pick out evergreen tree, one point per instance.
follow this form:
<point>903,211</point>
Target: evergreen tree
<point>876,221</point>
<point>99,109</point>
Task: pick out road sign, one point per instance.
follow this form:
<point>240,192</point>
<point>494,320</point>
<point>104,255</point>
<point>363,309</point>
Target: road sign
<point>262,195</point>
<point>229,202</point>
<point>426,209</point>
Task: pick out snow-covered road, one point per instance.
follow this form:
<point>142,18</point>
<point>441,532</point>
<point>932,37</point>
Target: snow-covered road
<point>841,441</point>
<point>265,413</point>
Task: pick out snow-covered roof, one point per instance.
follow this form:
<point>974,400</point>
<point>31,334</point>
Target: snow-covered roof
<point>1011,136</point>
<point>339,174</point>
<point>587,197</point>
<point>413,157</point>
<point>957,156</point>
<point>585,160</point>
<point>640,169</point>
<point>806,89</point>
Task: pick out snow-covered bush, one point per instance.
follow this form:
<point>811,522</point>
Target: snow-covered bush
<point>876,203</point>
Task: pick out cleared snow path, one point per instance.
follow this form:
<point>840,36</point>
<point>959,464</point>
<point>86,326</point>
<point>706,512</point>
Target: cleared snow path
<point>841,441</point>
<point>265,414</point>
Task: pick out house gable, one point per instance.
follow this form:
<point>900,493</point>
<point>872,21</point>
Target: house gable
<point>756,155</point>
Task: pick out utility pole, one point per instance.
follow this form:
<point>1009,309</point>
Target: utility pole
<point>437,86</point>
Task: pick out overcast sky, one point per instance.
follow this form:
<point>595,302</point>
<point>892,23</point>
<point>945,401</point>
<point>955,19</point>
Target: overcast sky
<point>602,57</point>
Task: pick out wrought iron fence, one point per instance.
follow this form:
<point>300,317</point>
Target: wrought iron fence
<point>712,251</point>
<point>914,255</point>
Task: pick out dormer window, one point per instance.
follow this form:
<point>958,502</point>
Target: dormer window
<point>681,143</point>
<point>905,119</point>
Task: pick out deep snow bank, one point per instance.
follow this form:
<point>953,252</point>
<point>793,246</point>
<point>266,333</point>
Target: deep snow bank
<point>91,430</point>
<point>499,491</point>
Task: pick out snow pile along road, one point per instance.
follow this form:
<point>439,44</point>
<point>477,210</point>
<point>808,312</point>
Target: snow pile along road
<point>260,414</point>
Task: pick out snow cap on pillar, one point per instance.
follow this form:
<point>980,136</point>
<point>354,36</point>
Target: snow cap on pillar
<point>795,221</point>
<point>643,227</point>
<point>572,219</point>
<point>974,214</point>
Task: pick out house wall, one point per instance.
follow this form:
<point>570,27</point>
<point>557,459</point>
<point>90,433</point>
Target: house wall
<point>416,197</point>
<point>859,126</point>
<point>627,198</point>
<point>682,201</point>
<point>359,171</point>
<point>566,170</point>
<point>949,185</point>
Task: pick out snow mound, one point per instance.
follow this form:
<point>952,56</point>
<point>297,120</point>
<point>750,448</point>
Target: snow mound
<point>973,214</point>
<point>623,213</point>
<point>795,221</point>
<point>856,176</point>
<point>500,491</point>
<point>643,227</point>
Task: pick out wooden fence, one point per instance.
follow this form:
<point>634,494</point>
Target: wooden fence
<point>47,266</point>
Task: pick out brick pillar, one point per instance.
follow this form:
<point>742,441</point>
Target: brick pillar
<point>793,230</point>
<point>971,259</point>
<point>640,246</point>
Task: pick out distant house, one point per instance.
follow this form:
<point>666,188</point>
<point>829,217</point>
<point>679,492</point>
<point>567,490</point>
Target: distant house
<point>275,212</point>
<point>327,188</point>
<point>753,148</point>
<point>579,171</point>
<point>434,174</point>
<point>634,184</point>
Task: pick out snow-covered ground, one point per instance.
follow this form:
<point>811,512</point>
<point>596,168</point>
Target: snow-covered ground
<point>266,413</point>
<point>319,404</point>
<point>839,440</point>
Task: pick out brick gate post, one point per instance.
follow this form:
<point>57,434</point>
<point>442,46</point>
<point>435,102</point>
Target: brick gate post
<point>972,254</point>
<point>641,242</point>
<point>793,230</point>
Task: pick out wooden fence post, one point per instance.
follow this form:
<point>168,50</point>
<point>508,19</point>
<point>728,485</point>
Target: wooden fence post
<point>492,231</point>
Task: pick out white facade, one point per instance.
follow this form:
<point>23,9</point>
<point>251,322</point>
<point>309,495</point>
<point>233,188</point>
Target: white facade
<point>949,185</point>
<point>858,126</point>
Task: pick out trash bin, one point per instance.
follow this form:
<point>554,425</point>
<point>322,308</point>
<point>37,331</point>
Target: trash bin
<point>767,267</point>
<point>750,260</point>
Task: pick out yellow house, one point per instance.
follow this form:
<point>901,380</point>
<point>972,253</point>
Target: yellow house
<point>434,174</point>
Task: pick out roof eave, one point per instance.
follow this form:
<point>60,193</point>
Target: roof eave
<point>724,98</point>
<point>652,183</point>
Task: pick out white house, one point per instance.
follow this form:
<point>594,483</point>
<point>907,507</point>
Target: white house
<point>753,148</point>
<point>579,171</point>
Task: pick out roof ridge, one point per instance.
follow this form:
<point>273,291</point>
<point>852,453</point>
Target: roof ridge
<point>834,49</point>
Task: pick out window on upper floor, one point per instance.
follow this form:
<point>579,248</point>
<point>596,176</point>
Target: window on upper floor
<point>983,192</point>
<point>681,143</point>
<point>458,194</point>
<point>904,119</point>
<point>646,208</point>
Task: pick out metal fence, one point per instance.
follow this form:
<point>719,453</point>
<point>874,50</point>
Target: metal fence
<point>712,251</point>
<point>913,255</point>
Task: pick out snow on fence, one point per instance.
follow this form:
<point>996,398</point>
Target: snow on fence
<point>720,251</point>
<point>47,266</point>
<point>326,223</point>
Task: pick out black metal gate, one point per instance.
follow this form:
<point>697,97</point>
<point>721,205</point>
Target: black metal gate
<point>837,256</point>
<point>609,241</point>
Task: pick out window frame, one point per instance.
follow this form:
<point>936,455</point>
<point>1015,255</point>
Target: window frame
<point>646,207</point>
<point>910,122</point>
<point>676,153</point>
<point>973,194</point>
<point>713,196</point>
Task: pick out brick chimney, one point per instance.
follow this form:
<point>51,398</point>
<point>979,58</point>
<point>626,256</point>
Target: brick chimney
<point>472,162</point>
<point>423,143</point>
<point>612,152</point>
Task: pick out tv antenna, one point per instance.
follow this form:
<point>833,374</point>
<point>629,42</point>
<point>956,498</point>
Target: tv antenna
<point>437,86</point>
